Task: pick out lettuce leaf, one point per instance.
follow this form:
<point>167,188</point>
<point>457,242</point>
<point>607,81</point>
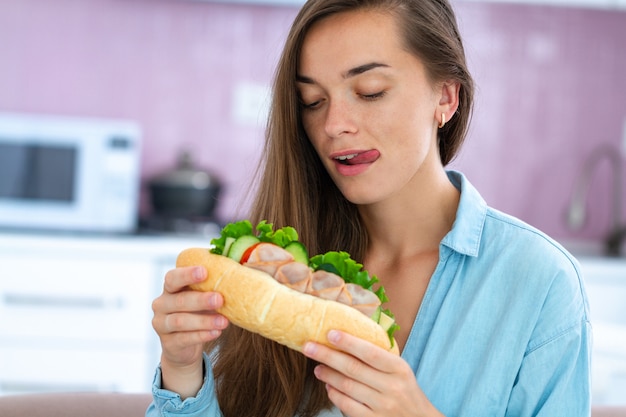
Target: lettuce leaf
<point>264,231</point>
<point>281,237</point>
<point>231,230</point>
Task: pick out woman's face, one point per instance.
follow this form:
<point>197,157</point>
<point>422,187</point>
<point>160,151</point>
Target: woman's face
<point>367,105</point>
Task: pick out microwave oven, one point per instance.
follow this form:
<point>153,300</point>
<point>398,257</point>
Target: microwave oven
<point>68,173</point>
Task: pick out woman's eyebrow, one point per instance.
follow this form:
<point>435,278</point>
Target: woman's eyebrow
<point>304,80</point>
<point>350,73</point>
<point>363,68</point>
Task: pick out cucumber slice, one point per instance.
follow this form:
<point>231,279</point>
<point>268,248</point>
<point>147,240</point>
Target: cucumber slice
<point>376,315</point>
<point>240,245</point>
<point>385,321</point>
<point>298,251</point>
<point>227,244</point>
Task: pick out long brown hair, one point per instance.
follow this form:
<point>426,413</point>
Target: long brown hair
<point>254,376</point>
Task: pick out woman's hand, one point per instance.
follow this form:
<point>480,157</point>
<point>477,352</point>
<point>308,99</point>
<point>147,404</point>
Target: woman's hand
<point>184,321</point>
<point>365,380</point>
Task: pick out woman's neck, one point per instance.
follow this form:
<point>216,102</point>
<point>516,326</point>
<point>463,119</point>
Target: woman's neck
<point>415,220</point>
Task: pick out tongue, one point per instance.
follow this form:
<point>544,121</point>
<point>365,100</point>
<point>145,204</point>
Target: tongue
<point>364,158</point>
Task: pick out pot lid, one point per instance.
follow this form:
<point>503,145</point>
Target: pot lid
<point>186,175</point>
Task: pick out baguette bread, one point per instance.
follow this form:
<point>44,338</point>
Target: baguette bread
<point>255,301</point>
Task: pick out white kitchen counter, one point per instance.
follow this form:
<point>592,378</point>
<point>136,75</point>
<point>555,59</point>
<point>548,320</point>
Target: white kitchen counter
<point>605,281</point>
<point>75,310</point>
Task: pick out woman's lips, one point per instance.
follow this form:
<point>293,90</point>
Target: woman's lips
<point>355,163</point>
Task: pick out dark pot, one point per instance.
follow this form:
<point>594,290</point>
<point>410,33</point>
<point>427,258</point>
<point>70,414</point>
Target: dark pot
<point>186,192</point>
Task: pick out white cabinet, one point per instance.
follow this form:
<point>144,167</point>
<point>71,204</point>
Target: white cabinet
<point>75,312</point>
<point>605,281</point>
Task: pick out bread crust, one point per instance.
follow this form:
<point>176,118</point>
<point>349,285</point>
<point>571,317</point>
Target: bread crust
<point>255,301</point>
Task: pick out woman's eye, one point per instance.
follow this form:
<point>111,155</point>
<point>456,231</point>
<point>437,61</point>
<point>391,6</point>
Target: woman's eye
<point>311,105</point>
<point>374,96</point>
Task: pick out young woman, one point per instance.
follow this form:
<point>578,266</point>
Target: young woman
<point>372,99</point>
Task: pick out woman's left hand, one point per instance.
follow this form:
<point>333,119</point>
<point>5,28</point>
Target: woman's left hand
<point>364,380</point>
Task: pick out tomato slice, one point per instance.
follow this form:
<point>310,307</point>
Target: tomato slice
<point>246,254</point>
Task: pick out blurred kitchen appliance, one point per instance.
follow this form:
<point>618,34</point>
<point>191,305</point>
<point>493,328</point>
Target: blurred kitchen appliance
<point>69,174</point>
<point>186,191</point>
<point>183,200</point>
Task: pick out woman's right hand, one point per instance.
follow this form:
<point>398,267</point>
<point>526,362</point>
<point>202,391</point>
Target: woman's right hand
<point>184,321</point>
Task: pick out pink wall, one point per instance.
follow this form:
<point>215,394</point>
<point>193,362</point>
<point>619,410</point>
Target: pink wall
<point>551,87</point>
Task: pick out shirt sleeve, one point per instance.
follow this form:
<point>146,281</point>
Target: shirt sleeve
<point>167,403</point>
<point>554,377</point>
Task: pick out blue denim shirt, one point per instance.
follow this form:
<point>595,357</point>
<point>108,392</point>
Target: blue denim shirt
<point>503,329</point>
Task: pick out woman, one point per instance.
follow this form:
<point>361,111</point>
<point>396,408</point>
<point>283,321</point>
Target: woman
<point>372,99</point>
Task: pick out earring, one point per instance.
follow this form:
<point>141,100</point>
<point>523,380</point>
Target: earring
<point>443,120</point>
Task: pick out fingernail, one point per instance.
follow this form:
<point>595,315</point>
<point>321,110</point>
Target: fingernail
<point>198,273</point>
<point>333,336</point>
<point>220,322</point>
<point>213,300</point>
<point>309,349</point>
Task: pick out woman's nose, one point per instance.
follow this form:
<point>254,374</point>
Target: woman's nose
<point>340,118</point>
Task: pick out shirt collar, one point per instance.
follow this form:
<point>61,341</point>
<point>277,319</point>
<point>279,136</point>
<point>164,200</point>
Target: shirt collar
<point>470,218</point>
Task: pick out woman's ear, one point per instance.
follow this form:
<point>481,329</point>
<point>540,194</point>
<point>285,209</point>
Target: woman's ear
<point>448,101</point>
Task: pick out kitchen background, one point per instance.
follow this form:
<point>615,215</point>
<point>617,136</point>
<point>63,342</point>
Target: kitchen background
<point>195,75</point>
